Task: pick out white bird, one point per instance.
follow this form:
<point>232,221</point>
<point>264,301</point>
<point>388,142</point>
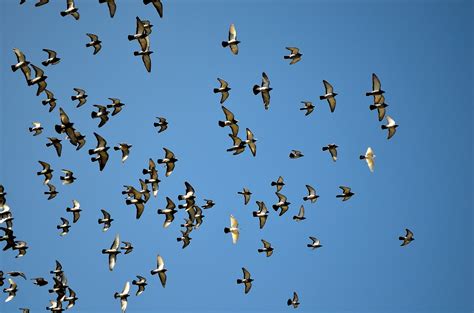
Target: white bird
<point>369,158</point>
<point>234,229</point>
<point>123,296</point>
<point>391,126</point>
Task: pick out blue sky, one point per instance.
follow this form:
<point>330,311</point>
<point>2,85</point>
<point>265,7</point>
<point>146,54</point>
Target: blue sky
<point>421,51</point>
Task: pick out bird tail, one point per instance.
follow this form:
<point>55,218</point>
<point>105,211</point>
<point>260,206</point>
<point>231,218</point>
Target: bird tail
<point>31,129</point>
<point>135,53</point>
<point>131,37</point>
<point>368,94</point>
<point>160,211</point>
<point>160,161</point>
<point>225,44</point>
<point>179,239</point>
<point>58,128</point>
<point>44,102</point>
<point>226,230</point>
<point>289,302</point>
<point>261,250</point>
<point>73,98</point>
<point>401,238</point>
<point>221,123</point>
<point>63,13</point>
<point>275,207</point>
<point>286,57</point>
<point>156,124</point>
<point>116,148</point>
<point>384,127</point>
<point>68,210</point>
<point>254,214</point>
<point>372,107</point>
<point>180,197</point>
<point>99,221</point>
<point>128,202</point>
<point>44,63</point>
<point>91,151</point>
<point>361,157</point>
<point>255,89</point>
<point>93,114</point>
<point>239,281</point>
<point>305,198</point>
<point>216,90</point>
<point>116,295</point>
<point>145,171</point>
<point>325,148</point>
<point>321,97</point>
<point>14,68</point>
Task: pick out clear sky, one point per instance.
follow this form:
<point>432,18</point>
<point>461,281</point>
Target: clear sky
<point>422,52</point>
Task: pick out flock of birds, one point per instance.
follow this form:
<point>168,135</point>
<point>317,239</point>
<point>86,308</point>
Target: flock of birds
<point>149,184</point>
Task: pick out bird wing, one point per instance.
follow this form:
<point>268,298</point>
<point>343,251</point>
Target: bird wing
<point>265,80</point>
<point>262,220</point>
<point>19,55</point>
<point>93,37</point>
<point>106,214</point>
<point>97,48</point>
<point>381,113</point>
<point>168,153</point>
<point>115,245</point>
<point>301,212</point>
<point>333,152</point>
<point>391,132</point>
<point>332,103</point>
<point>223,83</point>
<point>246,273</point>
<point>311,190</point>
<point>126,288</point>
<point>295,60</point>
<point>228,114</point>
<point>101,142</point>
<point>140,28</point>
<point>248,285</point>
<point>266,244</point>
<point>345,190</point>
<point>26,72</point>
<point>235,236</point>
<point>144,43</point>
<point>409,233</point>
<point>390,121</point>
<point>232,32</point>
<point>295,297</point>
<point>328,87</point>
<point>375,82</point>
<point>281,197</point>
<point>38,72</point>
<point>170,204</point>
<point>160,263</point>
<point>147,62</point>
<point>158,6</point>
<point>293,50</point>
<point>51,53</point>
<point>162,276</point>
<point>266,98</point>
<point>112,7</point>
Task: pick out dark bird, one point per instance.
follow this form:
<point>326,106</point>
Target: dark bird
<point>2,279</point>
<point>223,89</point>
<point>279,183</point>
<point>75,210</point>
<point>267,248</point>
<point>9,237</point>
<point>296,154</point>
<point>314,244</point>
<point>95,42</point>
<point>102,114</point>
<point>369,158</point>
<point>162,124</point>
<point>51,100</point>
<point>140,283</point>
<point>106,220</point>
<point>112,6</point>
<point>264,89</point>
<point>39,281</point>
<point>25,310</point>
<point>408,238</point>
<point>246,193</point>
<point>169,160</point>
<point>247,281</point>
<point>68,177</point>
<point>300,217</point>
<point>281,204</point>
<point>332,149</point>
<point>125,148</point>
<point>52,58</point>
<point>160,270</point>
<point>229,121</point>
<point>47,171</point>
<point>53,141</point>
<point>36,129</point>
<point>11,290</point>
<point>329,95</point>
<point>102,155</point>
<point>376,87</point>
<point>123,296</point>
<point>294,56</point>
<point>17,274</point>
<point>39,3</point>
<point>238,145</point>
<point>308,107</point>
<point>22,63</point>
<point>209,204</point>
<point>295,302</point>
<point>380,105</point>
<point>139,206</point>
<point>116,105</point>
<point>81,140</point>
<point>185,238</point>
<point>157,4</point>
<point>58,270</point>
<point>312,196</point>
<point>64,227</point>
<point>127,247</point>
<point>2,196</point>
<point>113,252</point>
<point>81,96</point>
<point>66,126</point>
<point>71,10</point>
<point>251,140</point>
<point>198,216</point>
<point>232,42</point>
<point>39,79</point>
<point>346,193</point>
<point>72,298</point>
<point>169,212</point>
<point>52,193</point>
<point>391,126</point>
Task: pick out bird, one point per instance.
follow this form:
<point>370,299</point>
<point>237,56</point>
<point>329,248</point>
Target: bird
<point>106,220</point>
<point>169,160</point>
<point>139,206</point>
<point>162,124</point>
<point>247,281</point>
<point>294,56</point>
<point>66,126</point>
<point>380,105</point>
<point>17,274</point>
<point>408,238</point>
<point>198,216</point>
<point>39,281</point>
<point>369,158</point>
<point>251,140</point>
<point>262,213</point>
<point>75,210</point>
<point>232,41</point>
<point>22,63</point>
<point>102,155</point>
<point>21,246</point>
<point>140,283</point>
<point>113,252</point>
<point>391,126</point>
<point>36,129</point>
<point>39,79</point>
<point>2,279</point>
<point>296,154</point>
<point>264,89</point>
<point>295,302</point>
<point>51,100</point>
<point>376,87</point>
<point>281,204</point>
<point>233,229</point>
<point>123,296</point>
<point>127,247</point>
<point>116,105</point>
<point>332,148</point>
<point>314,244</point>
<point>58,270</point>
<point>81,96</point>
<point>160,270</point>
<point>37,4</point>
<point>185,238</point>
<point>279,183</point>
<point>153,180</point>
<point>189,192</point>
<point>267,248</point>
<point>229,121</point>
<point>308,107</point>
<point>141,31</point>
<point>329,95</point>
<point>25,310</point>
<point>209,204</point>
<point>157,4</point>
<point>55,306</point>
<point>168,212</point>
<point>223,90</point>
<point>47,171</point>
<point>145,52</point>
<point>11,290</point>
<point>95,42</point>
<point>102,114</point>
<point>2,196</point>
<point>71,298</point>
<point>112,6</point>
<point>346,193</point>
<point>300,217</point>
<point>238,145</point>
<point>312,196</point>
<point>71,10</point>
<point>65,226</point>
<point>144,191</point>
<point>52,58</point>
<point>125,148</point>
<point>53,141</point>
<point>52,193</point>
<point>246,193</point>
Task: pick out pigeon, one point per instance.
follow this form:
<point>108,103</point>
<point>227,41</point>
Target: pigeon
<point>75,210</point>
<point>52,58</point>
<point>251,140</point>
<point>21,246</point>
<point>17,274</point>
<point>64,226</point>
<point>246,193</point>
<point>139,206</point>
<point>229,121</point>
<point>51,100</point>
<point>209,204</point>
<point>80,140</point>
<point>112,6</point>
<point>294,56</point>
<point>238,145</point>
<point>162,124</point>
<point>52,193</point>
<point>300,217</point>
<point>116,105</point>
<point>140,283</point>
<point>123,296</point>
<point>314,244</point>
<point>153,180</point>
<point>346,193</point>
<point>71,299</point>
<point>66,126</point>
<point>101,152</point>
<point>169,160</point>
<point>81,96</point>
<point>295,302</point>
<point>22,64</point>
<point>330,95</point>
<point>296,154</point>
<point>279,183</point>
<point>234,229</point>
<point>281,204</point>
<point>380,105</point>
<point>198,216</point>
<point>189,192</point>
<point>39,79</point>
<point>95,42</point>
<point>185,238</point>
<point>223,90</point>
<point>11,290</point>
<point>9,237</point>
<point>308,107</point>
<point>36,129</point>
<point>53,141</point>
<point>127,247</point>
<point>332,149</point>
<point>168,212</point>
<point>369,158</point>
<point>2,196</point>
<point>112,252</point>
<point>71,10</point>
<point>39,281</point>
<point>408,238</point>
<point>145,52</point>
<point>144,191</point>
<point>160,270</point>
<point>232,42</point>
<point>5,213</point>
<point>106,220</point>
<point>157,4</point>
<point>125,148</point>
<point>102,114</point>
<point>55,306</point>
<point>312,196</point>
<point>267,248</point>
<point>391,126</point>
<point>264,89</point>
<point>47,171</point>
<point>141,31</point>
<point>247,281</point>
<point>376,87</point>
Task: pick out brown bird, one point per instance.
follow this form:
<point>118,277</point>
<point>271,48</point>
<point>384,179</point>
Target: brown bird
<point>346,193</point>
<point>294,56</point>
<point>264,89</point>
<point>112,6</point>
<point>246,193</point>
<point>53,141</point>
<point>223,89</point>
<point>71,10</point>
<point>39,79</point>
<point>332,149</point>
<point>232,42</point>
<point>157,4</point>
<point>95,42</point>
<point>51,100</point>
<point>47,171</point>
<point>329,95</point>
<point>169,160</point>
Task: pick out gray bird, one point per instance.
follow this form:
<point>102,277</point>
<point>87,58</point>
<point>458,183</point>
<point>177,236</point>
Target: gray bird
<point>294,56</point>
<point>71,10</point>
<point>75,210</point>
<point>295,302</point>
<point>106,220</point>
<point>408,238</point>
<point>51,100</point>
<point>53,141</point>
<point>281,204</point>
<point>160,270</point>
<point>246,193</point>
<point>116,105</point>
<point>308,107</point>
<point>95,42</point>
<point>112,6</point>
<point>296,154</point>
<point>223,90</point>
<point>52,58</point>
<point>47,171</point>
<point>52,193</point>
<point>39,79</point>
<point>81,96</point>
<point>247,280</point>
<point>125,148</point>
<point>112,252</point>
<point>279,183</point>
<point>157,4</point>
<point>162,124</point>
<point>262,213</point>
<point>329,95</point>
<point>391,126</point>
<point>140,283</point>
<point>346,193</point>
<point>267,248</point>
<point>232,41</point>
<point>229,121</point>
<point>332,149</point>
<point>264,89</point>
<point>300,217</point>
<point>169,160</point>
<point>376,87</point>
<point>314,244</point>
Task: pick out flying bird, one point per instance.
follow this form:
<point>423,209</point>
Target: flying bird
<point>314,244</point>
<point>51,100</point>
<point>246,193</point>
<point>101,114</point>
<point>281,204</point>
<point>262,213</point>
<point>140,283</point>
<point>238,145</point>
<point>264,89</point>
<point>308,107</point>
<point>332,148</point>
<point>112,6</point>
<point>81,96</point>
<point>329,95</point>
<point>102,155</point>
<point>267,248</point>
<point>106,220</point>
<point>247,281</point>
<point>66,126</point>
<point>232,42</point>
<point>71,10</point>
<point>123,296</point>
<point>295,302</point>
<point>391,126</point>
<point>380,105</point>
<point>113,252</point>
<point>47,171</point>
<point>294,56</point>
<point>279,183</point>
<point>376,87</point>
<point>141,31</point>
<point>53,141</point>
<point>39,281</point>
<point>369,158</point>
<point>36,129</point>
<point>64,227</point>
<point>300,217</point>
<point>145,52</point>
<point>52,193</point>
<point>21,246</point>
<point>169,212</point>
<point>162,124</point>
<point>116,105</point>
<point>169,160</point>
<point>251,140</point>
<point>209,204</point>
<point>22,64</point>
<point>312,196</point>
<point>17,274</point>
<point>185,237</point>
<point>75,210</point>
<point>233,229</point>
<point>11,290</point>
<point>189,192</point>
<point>68,177</point>
<point>127,247</point>
<point>39,79</point>
<point>160,270</point>
<point>125,148</point>
<point>95,42</point>
<point>223,90</point>
<point>157,4</point>
<point>229,121</point>
<point>296,154</point>
<point>153,180</point>
<point>72,298</point>
<point>408,238</point>
<point>346,193</point>
<point>52,58</point>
